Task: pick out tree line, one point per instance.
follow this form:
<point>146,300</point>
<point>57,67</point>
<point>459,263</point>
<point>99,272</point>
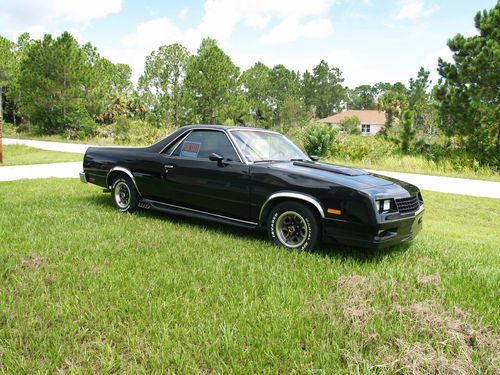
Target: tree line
<point>57,85</point>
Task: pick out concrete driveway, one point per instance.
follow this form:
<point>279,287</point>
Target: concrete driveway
<point>476,188</point>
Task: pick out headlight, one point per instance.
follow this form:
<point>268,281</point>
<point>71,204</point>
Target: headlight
<point>383,205</point>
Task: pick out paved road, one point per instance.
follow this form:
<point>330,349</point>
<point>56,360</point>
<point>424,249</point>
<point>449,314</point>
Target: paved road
<point>51,146</point>
<point>18,172</point>
<point>452,185</point>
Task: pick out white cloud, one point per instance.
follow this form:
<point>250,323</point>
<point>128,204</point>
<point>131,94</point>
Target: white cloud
<point>83,10</point>
<point>18,16</point>
<point>413,9</point>
<point>29,11</point>
<point>220,19</point>
<point>291,29</point>
<point>35,31</point>
<point>222,16</point>
<point>152,34</point>
<point>183,13</point>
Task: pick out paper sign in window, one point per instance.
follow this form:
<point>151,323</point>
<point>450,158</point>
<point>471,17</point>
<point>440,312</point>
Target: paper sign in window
<point>190,149</point>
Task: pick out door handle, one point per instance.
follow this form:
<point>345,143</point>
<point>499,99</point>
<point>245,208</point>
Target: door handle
<point>168,167</point>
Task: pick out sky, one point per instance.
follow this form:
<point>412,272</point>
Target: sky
<point>369,40</point>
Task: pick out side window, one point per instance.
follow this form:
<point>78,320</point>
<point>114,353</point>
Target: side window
<point>170,147</point>
<point>201,143</point>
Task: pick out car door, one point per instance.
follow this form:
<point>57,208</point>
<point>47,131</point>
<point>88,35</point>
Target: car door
<point>192,180</point>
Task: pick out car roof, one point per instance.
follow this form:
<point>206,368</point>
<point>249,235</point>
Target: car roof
<point>225,127</point>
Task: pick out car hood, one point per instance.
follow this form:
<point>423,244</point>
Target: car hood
<point>350,177</point>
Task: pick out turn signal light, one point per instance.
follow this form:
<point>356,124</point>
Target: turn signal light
<point>333,211</point>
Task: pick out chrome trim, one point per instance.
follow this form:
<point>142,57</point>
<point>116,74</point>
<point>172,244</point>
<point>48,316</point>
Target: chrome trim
<point>83,178</point>
<point>255,130</point>
<point>127,172</point>
<point>419,210</point>
<point>240,154</point>
<point>201,212</point>
<point>292,195</point>
<point>176,142</point>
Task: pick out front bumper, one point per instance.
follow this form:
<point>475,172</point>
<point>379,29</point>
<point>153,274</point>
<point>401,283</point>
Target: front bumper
<point>380,236</point>
<point>83,177</point>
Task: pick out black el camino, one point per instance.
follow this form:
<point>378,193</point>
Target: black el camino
<point>257,178</point>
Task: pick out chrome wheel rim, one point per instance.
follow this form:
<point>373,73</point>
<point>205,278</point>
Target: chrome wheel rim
<point>122,194</point>
<point>291,229</point>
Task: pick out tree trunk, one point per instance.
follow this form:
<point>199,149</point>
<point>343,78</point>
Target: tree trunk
<point>64,97</point>
<point>1,104</point>
<point>1,125</point>
<point>213,119</point>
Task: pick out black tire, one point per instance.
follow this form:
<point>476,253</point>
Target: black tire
<point>124,196</point>
<point>294,225</point>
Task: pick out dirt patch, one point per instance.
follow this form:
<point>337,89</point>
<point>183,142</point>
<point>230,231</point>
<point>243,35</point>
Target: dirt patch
<point>353,282</point>
<point>422,358</point>
<point>357,295</point>
<point>430,317</point>
<point>455,342</point>
<point>434,339</point>
<point>32,261</point>
<point>431,280</point>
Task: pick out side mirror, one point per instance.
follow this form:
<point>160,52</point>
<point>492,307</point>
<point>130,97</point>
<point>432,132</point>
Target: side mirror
<point>216,157</point>
<point>314,157</point>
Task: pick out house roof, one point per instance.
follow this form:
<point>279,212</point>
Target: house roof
<point>365,116</point>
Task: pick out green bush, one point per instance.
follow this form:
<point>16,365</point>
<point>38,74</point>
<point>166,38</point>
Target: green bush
<point>318,139</point>
<point>8,130</point>
<point>350,125</point>
<point>121,130</point>
<point>358,147</point>
<point>80,125</point>
<point>126,130</point>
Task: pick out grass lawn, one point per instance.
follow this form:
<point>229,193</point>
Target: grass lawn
<point>84,288</point>
<point>21,155</point>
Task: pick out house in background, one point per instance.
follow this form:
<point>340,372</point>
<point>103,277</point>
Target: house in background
<point>371,121</point>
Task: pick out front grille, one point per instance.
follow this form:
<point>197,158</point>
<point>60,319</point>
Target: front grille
<point>406,205</point>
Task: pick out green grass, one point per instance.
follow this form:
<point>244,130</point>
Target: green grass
<point>21,155</point>
<point>84,288</point>
<point>419,164</point>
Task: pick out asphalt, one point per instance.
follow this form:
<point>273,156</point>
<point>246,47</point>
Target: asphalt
<point>452,185</point>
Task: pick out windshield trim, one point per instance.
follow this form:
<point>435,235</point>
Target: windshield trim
<point>230,131</point>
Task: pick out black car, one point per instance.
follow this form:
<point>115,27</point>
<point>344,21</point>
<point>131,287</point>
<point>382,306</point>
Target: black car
<point>257,178</point>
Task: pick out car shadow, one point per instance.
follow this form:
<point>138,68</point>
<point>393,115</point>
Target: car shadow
<point>361,255</point>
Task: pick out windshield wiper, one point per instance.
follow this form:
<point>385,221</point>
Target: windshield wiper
<point>265,161</point>
<point>299,159</point>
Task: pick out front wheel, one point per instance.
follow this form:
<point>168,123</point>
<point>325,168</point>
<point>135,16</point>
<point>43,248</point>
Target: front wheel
<point>124,195</point>
<point>294,226</point>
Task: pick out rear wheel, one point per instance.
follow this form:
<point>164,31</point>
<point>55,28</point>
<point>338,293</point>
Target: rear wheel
<point>124,195</point>
<point>294,226</point>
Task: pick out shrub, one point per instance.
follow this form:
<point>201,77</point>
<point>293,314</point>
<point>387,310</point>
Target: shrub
<point>121,130</point>
<point>407,131</point>
<point>9,129</point>
<point>358,147</point>
<point>80,125</point>
<point>131,131</point>
<point>318,139</point>
<point>350,125</point>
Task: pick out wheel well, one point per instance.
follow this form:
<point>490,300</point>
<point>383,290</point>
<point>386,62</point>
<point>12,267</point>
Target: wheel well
<point>273,203</point>
<point>113,175</point>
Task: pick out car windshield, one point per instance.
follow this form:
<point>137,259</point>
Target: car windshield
<point>266,146</point>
